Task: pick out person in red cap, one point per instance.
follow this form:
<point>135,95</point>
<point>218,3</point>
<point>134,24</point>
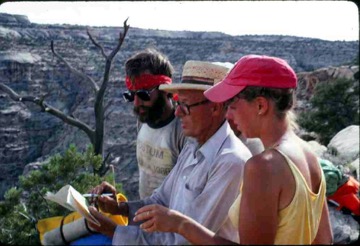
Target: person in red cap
<point>145,72</point>
<point>282,195</point>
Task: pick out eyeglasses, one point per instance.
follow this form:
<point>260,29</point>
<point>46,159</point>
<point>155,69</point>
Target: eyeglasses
<point>144,95</point>
<point>186,108</point>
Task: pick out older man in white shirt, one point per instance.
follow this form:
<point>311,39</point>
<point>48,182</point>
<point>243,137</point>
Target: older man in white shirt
<point>206,178</point>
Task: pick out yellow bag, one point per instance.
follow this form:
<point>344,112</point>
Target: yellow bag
<point>49,224</point>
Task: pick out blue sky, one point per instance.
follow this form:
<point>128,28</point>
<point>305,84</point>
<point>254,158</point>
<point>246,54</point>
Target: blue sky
<point>329,20</point>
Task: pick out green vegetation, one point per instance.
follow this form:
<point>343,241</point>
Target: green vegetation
<point>334,106</point>
<point>25,205</point>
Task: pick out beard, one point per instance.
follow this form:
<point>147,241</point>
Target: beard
<point>152,114</point>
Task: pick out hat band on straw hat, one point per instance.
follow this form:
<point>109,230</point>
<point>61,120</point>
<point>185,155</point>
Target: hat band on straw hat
<point>197,80</point>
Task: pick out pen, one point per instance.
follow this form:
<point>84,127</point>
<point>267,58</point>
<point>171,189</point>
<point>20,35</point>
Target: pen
<point>96,195</point>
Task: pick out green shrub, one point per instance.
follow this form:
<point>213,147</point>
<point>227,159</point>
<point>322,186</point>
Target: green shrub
<point>334,106</point>
<point>25,205</point>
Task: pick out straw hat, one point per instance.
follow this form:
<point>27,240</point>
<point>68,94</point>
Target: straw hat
<point>199,75</point>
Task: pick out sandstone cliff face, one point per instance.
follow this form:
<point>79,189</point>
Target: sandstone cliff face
<point>308,80</point>
<point>28,67</point>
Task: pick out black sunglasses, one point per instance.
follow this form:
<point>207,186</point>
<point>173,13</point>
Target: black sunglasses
<point>144,95</point>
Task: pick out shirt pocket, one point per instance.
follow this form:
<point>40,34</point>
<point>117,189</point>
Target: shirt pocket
<point>191,194</point>
<point>195,182</point>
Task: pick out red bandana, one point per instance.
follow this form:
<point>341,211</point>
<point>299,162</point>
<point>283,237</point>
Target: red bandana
<point>146,81</point>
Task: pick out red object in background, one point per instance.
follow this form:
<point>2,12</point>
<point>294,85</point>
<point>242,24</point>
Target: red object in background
<point>175,97</point>
<point>347,196</point>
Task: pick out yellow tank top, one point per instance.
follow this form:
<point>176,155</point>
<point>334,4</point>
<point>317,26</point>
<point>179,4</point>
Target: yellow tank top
<point>298,223</point>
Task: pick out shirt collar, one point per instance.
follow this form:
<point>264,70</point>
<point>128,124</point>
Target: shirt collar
<point>214,143</point>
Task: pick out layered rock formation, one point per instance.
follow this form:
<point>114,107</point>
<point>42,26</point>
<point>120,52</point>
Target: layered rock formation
<point>15,20</point>
<point>27,66</point>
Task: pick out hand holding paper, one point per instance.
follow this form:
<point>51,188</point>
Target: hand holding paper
<point>108,226</point>
<point>71,199</point>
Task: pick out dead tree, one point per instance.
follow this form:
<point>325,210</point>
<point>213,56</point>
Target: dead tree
<point>96,133</point>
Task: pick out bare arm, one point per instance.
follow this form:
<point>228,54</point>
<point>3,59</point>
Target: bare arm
<point>259,203</point>
<point>159,218</point>
<point>324,234</point>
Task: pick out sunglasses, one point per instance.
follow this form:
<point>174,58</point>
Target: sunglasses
<point>144,95</point>
<point>186,108</point>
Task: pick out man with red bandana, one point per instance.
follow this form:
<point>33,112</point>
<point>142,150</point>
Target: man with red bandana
<point>160,137</point>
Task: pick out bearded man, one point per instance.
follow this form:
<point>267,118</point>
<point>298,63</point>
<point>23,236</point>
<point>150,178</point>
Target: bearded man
<point>159,137</point>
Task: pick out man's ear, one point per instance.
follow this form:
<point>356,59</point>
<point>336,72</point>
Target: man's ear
<point>218,108</point>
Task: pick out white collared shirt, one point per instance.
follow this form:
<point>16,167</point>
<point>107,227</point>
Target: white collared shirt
<point>202,185</point>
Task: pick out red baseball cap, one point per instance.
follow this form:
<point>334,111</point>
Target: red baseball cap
<point>253,70</point>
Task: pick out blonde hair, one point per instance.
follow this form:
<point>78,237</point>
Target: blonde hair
<point>291,118</point>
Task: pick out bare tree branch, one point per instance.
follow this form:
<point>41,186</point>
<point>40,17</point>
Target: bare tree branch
<point>49,109</point>
<point>121,40</point>
<point>13,95</point>
<point>95,135</point>
<point>104,166</point>
<point>99,81</point>
<point>109,60</point>
<point>73,70</point>
<point>99,108</point>
<point>96,43</point>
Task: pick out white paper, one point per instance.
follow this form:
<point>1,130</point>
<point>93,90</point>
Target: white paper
<point>61,197</point>
<point>71,199</point>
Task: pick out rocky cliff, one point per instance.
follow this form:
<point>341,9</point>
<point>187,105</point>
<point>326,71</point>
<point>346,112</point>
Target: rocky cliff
<point>27,65</point>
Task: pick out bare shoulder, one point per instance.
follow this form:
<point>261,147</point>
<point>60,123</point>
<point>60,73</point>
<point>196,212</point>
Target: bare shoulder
<point>264,165</point>
<point>306,161</point>
<point>263,177</point>
<point>312,160</point>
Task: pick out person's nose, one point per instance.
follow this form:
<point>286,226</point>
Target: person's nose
<point>137,101</point>
<point>229,115</point>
